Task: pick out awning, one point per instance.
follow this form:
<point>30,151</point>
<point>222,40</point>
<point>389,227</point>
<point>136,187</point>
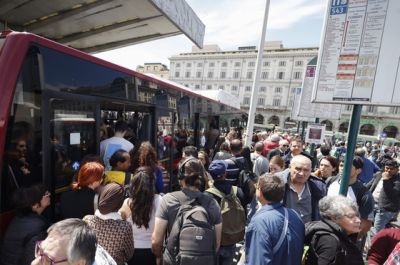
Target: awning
<point>100,25</point>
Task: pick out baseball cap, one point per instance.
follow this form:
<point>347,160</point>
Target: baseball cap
<point>218,168</point>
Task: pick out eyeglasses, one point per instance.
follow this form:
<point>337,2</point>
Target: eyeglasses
<point>44,258</point>
<point>352,215</point>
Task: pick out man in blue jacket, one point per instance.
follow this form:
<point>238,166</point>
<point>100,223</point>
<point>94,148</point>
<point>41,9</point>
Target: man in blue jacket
<point>275,234</point>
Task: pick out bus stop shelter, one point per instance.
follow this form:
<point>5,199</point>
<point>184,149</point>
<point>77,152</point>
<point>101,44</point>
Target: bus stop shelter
<point>100,25</point>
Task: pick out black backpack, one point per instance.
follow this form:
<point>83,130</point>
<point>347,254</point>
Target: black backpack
<point>191,240</point>
<point>246,181</point>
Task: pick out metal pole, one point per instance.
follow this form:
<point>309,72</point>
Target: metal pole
<point>254,93</point>
<point>351,144</point>
<point>312,149</point>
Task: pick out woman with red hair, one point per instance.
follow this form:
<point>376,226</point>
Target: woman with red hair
<point>80,200</point>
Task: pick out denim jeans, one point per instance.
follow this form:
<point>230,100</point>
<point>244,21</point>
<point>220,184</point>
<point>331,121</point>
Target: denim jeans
<point>382,218</point>
<point>226,254</point>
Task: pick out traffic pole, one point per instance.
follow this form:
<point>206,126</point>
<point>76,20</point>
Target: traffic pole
<point>351,145</point>
<point>254,92</point>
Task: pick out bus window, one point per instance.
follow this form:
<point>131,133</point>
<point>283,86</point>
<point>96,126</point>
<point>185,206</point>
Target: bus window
<point>22,164</point>
<point>84,77</point>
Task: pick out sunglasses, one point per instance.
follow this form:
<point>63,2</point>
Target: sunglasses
<point>44,258</point>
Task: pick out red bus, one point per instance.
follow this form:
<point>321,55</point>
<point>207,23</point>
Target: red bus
<point>55,99</point>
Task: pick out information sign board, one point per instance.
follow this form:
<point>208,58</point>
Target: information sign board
<point>315,133</point>
<point>359,58</point>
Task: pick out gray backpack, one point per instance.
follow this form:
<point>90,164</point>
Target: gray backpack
<point>192,236</point>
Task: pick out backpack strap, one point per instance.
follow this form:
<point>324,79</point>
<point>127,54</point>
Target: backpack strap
<point>216,192</point>
<point>127,178</point>
<point>284,232</point>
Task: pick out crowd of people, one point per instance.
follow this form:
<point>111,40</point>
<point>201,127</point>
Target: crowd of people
<point>273,197</point>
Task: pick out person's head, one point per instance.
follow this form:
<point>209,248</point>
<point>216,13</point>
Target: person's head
<point>356,168</point>
<point>270,189</point>
<point>328,166</point>
<point>121,127</point>
<point>259,147</point>
<point>341,210</point>
<point>275,138</point>
<point>325,150</point>
<point>296,146</point>
<point>391,167</point>
<point>141,193</point>
<point>21,146</point>
<point>236,146</point>
<point>283,145</point>
<point>90,175</point>
<point>189,151</point>
<point>191,173</point>
<point>203,157</point>
<point>360,152</point>
<point>217,169</point>
<point>120,160</point>
<point>224,147</point>
<point>69,242</point>
<point>147,155</point>
<point>111,198</point>
<point>31,199</point>
<point>276,164</point>
<point>300,169</point>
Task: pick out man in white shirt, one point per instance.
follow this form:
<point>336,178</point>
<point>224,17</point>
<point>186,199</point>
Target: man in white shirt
<point>110,145</point>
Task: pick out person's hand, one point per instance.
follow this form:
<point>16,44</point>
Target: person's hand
<point>385,175</point>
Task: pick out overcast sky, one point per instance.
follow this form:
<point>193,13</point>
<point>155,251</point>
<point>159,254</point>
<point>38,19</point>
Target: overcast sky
<point>234,23</point>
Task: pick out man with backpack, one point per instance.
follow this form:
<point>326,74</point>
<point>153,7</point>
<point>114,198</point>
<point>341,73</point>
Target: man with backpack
<point>231,201</point>
<point>239,172</point>
<point>189,220</point>
<point>275,234</point>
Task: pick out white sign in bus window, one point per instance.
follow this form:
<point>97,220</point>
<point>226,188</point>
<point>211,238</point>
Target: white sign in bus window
<point>74,138</point>
<point>359,58</point>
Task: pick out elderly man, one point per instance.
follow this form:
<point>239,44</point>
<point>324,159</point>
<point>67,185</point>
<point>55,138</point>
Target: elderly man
<point>303,191</point>
<point>281,151</point>
<point>70,241</point>
<point>269,237</point>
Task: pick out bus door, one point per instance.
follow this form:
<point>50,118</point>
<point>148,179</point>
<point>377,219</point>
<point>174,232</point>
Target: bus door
<point>69,134</point>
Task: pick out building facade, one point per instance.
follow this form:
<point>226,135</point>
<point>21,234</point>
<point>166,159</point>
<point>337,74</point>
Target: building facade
<point>233,71</point>
<point>282,72</point>
<point>158,69</point>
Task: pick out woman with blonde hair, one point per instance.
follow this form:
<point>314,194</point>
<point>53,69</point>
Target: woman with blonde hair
<point>80,201</point>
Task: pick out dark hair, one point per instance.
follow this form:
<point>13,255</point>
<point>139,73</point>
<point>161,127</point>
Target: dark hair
<point>236,145</point>
<point>121,126</point>
<point>192,172</point>
<point>91,158</point>
<point>358,162</point>
<point>224,146</point>
<point>118,156</point>
<point>325,150</point>
<point>142,190</point>
<point>24,198</point>
<point>271,187</point>
<point>190,150</point>
<point>206,157</point>
<point>391,163</point>
<point>334,163</point>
